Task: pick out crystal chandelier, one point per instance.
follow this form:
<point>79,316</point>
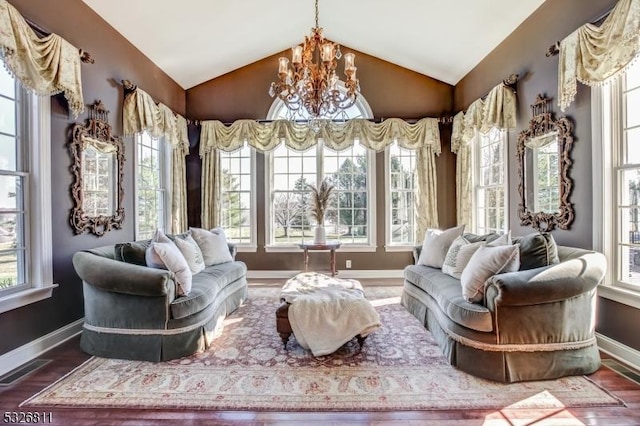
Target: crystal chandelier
<point>311,83</point>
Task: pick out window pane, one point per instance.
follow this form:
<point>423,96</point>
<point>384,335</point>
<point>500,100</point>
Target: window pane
<point>280,164</point>
<point>633,76</point>
<point>402,167</point>
<point>490,213</point>
<point>150,187</point>
<point>11,192</point>
<point>7,83</point>
<point>630,187</point>
<point>236,204</point>
<point>633,106</point>
<point>8,153</point>
<point>9,260</point>
<point>632,150</point>
<point>12,250</point>
<point>630,264</point>
<point>7,116</point>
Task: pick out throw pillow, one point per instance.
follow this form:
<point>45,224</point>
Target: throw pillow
<point>213,245</point>
<point>436,245</point>
<point>182,236</point>
<point>486,262</point>
<point>133,252</point>
<point>458,256</point>
<point>502,240</point>
<point>160,237</point>
<point>474,238</point>
<point>191,252</point>
<point>167,256</point>
<point>537,250</point>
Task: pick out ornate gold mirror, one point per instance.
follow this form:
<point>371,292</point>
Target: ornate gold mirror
<point>98,170</point>
<point>543,170</point>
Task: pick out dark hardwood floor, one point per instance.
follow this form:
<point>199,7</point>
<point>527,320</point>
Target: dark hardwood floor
<point>68,356</point>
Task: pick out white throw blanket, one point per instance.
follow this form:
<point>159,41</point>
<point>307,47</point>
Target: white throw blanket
<point>327,312</point>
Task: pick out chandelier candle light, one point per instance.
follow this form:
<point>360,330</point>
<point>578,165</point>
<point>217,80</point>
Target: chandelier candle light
<point>311,82</point>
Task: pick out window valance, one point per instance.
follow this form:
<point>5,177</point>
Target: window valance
<point>497,110</point>
<point>48,65</point>
<point>336,136</point>
<point>140,113</point>
<point>592,54</point>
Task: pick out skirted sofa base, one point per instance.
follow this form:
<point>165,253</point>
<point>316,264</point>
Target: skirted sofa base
<point>132,312</point>
<point>528,331</point>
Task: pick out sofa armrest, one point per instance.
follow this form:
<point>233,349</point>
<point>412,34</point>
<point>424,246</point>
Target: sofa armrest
<point>548,284</point>
<point>121,277</point>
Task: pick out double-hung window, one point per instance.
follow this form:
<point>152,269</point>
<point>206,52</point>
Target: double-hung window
<point>489,183</point>
<point>152,183</point>
<point>616,182</point>
<point>25,196</point>
<point>348,218</point>
<point>400,193</point>
<point>237,197</point>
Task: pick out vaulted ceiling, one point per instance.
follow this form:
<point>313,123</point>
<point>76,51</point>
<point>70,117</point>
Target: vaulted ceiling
<point>194,41</point>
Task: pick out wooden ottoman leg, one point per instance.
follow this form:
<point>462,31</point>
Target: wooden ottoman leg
<point>283,326</point>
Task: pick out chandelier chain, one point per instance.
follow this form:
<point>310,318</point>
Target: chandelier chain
<point>317,14</point>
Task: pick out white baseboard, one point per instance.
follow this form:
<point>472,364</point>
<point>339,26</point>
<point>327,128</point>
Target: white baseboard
<point>344,273</point>
<point>619,351</point>
<point>25,353</point>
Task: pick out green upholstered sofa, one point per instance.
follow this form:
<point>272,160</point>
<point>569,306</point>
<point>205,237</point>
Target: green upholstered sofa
<point>533,324</point>
<point>133,312</point>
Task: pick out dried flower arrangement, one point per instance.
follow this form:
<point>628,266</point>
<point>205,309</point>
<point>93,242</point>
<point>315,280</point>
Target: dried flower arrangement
<point>320,200</point>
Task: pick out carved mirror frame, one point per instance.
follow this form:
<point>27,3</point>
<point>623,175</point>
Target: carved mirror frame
<point>97,128</point>
<point>542,124</point>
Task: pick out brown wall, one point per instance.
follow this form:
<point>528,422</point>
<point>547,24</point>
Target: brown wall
<point>390,90</point>
<point>523,52</point>
<point>116,59</point>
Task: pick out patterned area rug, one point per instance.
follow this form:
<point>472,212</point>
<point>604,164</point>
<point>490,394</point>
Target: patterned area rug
<point>400,367</point>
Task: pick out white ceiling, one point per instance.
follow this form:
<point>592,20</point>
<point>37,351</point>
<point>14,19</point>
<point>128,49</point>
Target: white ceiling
<point>196,40</point>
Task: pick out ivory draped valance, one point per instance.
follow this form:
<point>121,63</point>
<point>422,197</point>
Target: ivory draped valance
<point>592,54</point>
<point>140,113</point>
<point>48,65</point>
<point>423,137</point>
<point>336,136</point>
<point>497,110</point>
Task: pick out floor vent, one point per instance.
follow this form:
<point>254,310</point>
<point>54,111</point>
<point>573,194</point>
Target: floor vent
<point>24,370</point>
<point>622,370</point>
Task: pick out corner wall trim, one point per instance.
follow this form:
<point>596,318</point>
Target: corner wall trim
<point>344,273</point>
<point>619,351</point>
<point>25,353</point>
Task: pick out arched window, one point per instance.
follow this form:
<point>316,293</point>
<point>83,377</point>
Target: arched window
<point>351,215</point>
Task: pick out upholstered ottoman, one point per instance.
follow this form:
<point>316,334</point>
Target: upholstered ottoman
<point>324,312</point>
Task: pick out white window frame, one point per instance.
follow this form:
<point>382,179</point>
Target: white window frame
<point>390,246</point>
<point>252,245</point>
<point>165,179</point>
<point>36,129</point>
<point>275,112</point>
<point>607,121</point>
<point>475,178</point>
<point>371,202</point>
